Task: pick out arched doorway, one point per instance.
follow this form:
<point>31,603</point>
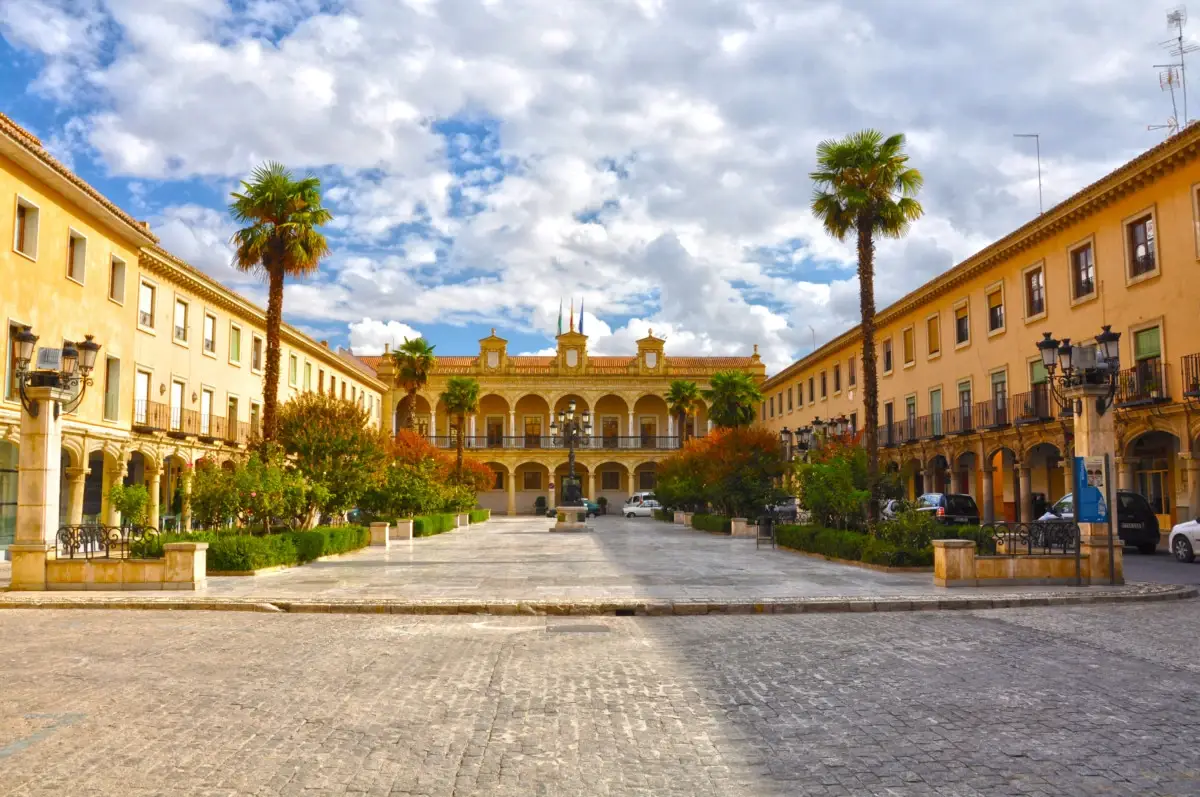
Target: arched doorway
<point>495,497</point>
<point>532,481</point>
<point>650,422</point>
<point>966,469</point>
<point>1047,478</point>
<point>645,477</point>
<point>612,482</point>
<point>1151,467</point>
<point>492,427</point>
<point>610,415</point>
<point>533,420</point>
<point>1006,493</point>
<point>938,473</point>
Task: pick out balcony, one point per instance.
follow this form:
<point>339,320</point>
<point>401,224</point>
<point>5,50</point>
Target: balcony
<point>609,443</point>
<point>1191,376</point>
<point>906,431</point>
<point>150,416</point>
<point>930,427</point>
<point>991,414</point>
<point>1032,407</point>
<point>236,433</point>
<point>1144,384</point>
<point>885,435</point>
<point>958,421</point>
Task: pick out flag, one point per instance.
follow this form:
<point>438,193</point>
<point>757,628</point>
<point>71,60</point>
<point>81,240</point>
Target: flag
<point>572,314</point>
<point>560,316</point>
<point>581,316</point>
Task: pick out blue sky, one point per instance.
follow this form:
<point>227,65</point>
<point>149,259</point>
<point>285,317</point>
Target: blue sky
<point>486,158</point>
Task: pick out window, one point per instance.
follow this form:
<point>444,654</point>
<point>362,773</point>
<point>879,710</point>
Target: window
<point>10,373</point>
<point>76,256</point>
<point>646,480</point>
<point>141,397</point>
<point>177,388</point>
<point>837,378</point>
<point>910,346</point>
<point>116,280</point>
<point>181,320</point>
<point>610,480</point>
<point>962,326</point>
<point>321,380</point>
<point>333,385</point>
<point>853,423</point>
<point>25,231</point>
<point>1083,271</point>
<point>293,370</point>
<point>812,391</point>
<point>999,387</point>
<point>1146,344</point>
<point>789,399</point>
<point>995,303</point>
<point>256,353</point>
<point>1037,373</point>
<point>498,481</point>
<point>255,416</point>
<point>964,395</point>
<point>343,390</point>
<point>308,376</point>
<point>532,480</point>
<point>146,296</point>
<point>235,344</point>
<point>112,388</point>
<point>1140,242</point>
<point>771,401</point>
<point>823,384</point>
<point>887,356</point>
<point>852,373</point>
<point>206,403</point>
<point>933,334</point>
<point>1035,292</point>
<point>210,333</point>
<point>935,411</point>
<point>764,411</point>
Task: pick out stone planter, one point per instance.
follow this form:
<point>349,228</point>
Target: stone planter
<point>679,517</point>
<point>379,535</point>
<point>740,527</point>
<point>402,530</point>
<point>687,519</point>
<point>462,520</point>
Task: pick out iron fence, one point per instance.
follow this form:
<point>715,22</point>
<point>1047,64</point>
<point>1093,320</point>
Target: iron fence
<point>1039,537</point>
<point>1144,383</point>
<point>98,541</point>
<point>1191,376</point>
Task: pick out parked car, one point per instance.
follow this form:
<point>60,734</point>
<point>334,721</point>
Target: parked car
<point>787,512</point>
<point>957,509</point>
<point>892,507</point>
<point>644,509</point>
<point>1137,525</point>
<point>1185,540</point>
<point>593,509</point>
<point>637,498</point>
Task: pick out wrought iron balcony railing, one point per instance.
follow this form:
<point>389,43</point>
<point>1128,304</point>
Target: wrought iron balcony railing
<point>1144,384</point>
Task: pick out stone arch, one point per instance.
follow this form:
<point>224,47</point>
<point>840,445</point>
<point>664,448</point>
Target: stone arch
<point>644,483</point>
<point>614,481</point>
<point>966,472</point>
<point>76,451</point>
<point>1151,466</point>
<point>937,468</point>
<point>1048,480</point>
<point>1002,459</point>
<point>526,493</point>
<point>652,421</point>
<point>151,455</point>
<point>492,426</point>
<point>611,418</point>
<point>582,472</point>
<point>533,418</point>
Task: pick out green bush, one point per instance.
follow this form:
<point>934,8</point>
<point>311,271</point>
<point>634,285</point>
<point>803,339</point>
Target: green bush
<point>478,515</point>
<point>665,515</point>
<point>910,529</point>
<point>852,545</point>
<point>232,551</point>
<point>716,523</point>
<point>428,525</point>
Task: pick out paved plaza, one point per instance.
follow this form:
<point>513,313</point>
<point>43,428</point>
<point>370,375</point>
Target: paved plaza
<point>1091,700</point>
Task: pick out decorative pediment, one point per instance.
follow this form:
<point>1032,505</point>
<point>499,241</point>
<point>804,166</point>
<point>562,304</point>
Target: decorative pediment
<point>572,352</point>
<point>651,359</point>
<point>493,352</point>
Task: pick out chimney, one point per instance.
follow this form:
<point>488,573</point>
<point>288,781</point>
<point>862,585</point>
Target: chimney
<point>386,346</point>
<point>325,343</point>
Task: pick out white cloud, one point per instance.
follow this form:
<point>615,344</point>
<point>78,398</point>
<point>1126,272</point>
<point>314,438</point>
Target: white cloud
<point>368,336</point>
<point>643,154</point>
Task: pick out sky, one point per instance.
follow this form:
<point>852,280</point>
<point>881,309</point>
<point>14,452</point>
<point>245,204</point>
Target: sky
<point>485,160</point>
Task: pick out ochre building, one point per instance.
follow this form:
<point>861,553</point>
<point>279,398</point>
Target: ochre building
<point>964,404</point>
<point>631,429</point>
<point>180,372</point>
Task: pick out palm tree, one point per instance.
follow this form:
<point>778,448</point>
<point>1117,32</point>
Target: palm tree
<point>461,398</point>
<point>414,361</point>
<point>731,396</point>
<point>279,240</point>
<point>864,184</point>
<point>682,397</point>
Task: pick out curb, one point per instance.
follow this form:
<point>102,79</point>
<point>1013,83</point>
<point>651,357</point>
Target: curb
<point>632,607</point>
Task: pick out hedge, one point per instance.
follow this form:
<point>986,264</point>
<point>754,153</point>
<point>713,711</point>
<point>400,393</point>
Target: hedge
<point>428,525</point>
<point>852,545</point>
<point>478,515</point>
<point>233,551</point>
<point>717,523</point>
<point>665,515</point>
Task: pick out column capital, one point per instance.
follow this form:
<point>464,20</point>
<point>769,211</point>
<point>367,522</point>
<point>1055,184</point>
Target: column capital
<point>77,473</point>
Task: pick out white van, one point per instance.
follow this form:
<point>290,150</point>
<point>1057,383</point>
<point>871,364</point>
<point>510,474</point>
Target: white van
<point>637,498</point>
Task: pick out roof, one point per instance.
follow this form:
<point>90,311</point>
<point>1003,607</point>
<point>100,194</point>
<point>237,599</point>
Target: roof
<point>1179,148</point>
<point>32,144</point>
<point>541,364</point>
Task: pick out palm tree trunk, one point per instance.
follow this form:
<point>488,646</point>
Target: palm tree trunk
<point>462,421</point>
<point>866,300</point>
<point>271,370</point>
<point>407,403</point>
<point>681,419</point>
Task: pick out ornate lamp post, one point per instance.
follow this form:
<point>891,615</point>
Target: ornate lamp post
<point>1097,366</point>
<point>71,369</point>
<point>573,432</point>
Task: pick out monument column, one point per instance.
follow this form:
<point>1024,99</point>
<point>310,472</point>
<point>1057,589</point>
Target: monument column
<point>185,520</point>
<point>38,466</point>
<point>1095,435</point>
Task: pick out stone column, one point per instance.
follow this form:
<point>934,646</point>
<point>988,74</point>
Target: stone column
<point>671,426</point>
<point>116,475</point>
<point>1025,480</point>
<point>471,431</point>
<point>709,427</point>
<point>512,426</point>
<point>38,465</point>
<point>433,424</point>
<point>185,480</point>
<point>631,440</point>
<point>154,486</point>
<point>1095,435</point>
<point>1123,470</point>
<point>76,480</point>
<point>989,497</point>
<point>512,492</point>
<point>1191,465</point>
<point>591,485</point>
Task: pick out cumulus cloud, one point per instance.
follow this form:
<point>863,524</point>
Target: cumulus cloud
<point>484,159</point>
<point>368,336</point>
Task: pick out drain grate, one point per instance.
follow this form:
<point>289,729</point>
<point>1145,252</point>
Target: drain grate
<point>577,628</point>
<point>625,612</point>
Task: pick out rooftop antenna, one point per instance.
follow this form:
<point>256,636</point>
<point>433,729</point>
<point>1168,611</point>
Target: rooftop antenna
<point>1177,19</point>
<point>1168,79</point>
<point>1038,141</point>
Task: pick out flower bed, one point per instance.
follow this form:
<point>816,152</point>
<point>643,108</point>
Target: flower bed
<point>233,552</point>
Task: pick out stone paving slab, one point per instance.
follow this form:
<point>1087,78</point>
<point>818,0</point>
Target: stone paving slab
<point>641,567</point>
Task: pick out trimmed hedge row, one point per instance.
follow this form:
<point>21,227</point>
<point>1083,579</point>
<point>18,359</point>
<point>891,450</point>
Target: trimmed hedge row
<point>428,525</point>
<point>717,523</point>
<point>231,551</point>
<point>665,515</point>
<point>852,545</point>
<point>478,515</point>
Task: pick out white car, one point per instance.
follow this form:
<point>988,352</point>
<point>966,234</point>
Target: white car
<point>1185,540</point>
<point>644,509</point>
<point>637,498</point>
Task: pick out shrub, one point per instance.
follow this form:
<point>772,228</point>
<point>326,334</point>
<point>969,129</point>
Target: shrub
<point>910,529</point>
<point>715,523</point>
<point>478,515</point>
<point>828,491</point>
<point>232,551</point>
<point>131,501</point>
<point>852,545</point>
<point>665,515</point>
<point>428,525</point>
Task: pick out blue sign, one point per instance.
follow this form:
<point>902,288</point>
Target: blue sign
<point>1090,488</point>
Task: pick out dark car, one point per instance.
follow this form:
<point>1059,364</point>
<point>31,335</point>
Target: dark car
<point>1137,525</point>
<point>953,509</point>
<point>593,509</point>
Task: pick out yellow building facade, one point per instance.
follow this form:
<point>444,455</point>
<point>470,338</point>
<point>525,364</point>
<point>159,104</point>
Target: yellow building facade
<point>963,398</point>
<point>179,374</point>
<point>632,429</point>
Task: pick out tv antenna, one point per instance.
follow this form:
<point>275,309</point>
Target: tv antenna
<point>1178,48</point>
<point>1168,79</point>
<point>1037,140</point>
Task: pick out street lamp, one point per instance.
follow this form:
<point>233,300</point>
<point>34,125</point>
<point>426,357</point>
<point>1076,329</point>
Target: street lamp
<point>1079,365</point>
<point>71,369</point>
<point>573,433</point>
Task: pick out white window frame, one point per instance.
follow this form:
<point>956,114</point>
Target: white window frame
<point>988,292</point>
<point>148,398</point>
<point>104,392</point>
<point>253,337</point>
<point>206,423</point>
<point>1126,223</point>
<point>308,376</point>
<point>887,370</point>
<point>1071,250</point>
<point>187,319</point>
<point>153,286</point>
<point>113,262</point>
<point>30,230</point>
<point>240,340</point>
<point>203,323</point>
<point>293,370</point>
<point>964,302</point>
<point>80,255</point>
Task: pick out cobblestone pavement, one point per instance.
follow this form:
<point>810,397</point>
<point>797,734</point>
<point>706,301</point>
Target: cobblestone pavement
<point>1095,700</point>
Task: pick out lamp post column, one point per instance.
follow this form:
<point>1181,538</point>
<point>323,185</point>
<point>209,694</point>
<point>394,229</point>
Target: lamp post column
<point>1095,435</point>
<point>38,465</point>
